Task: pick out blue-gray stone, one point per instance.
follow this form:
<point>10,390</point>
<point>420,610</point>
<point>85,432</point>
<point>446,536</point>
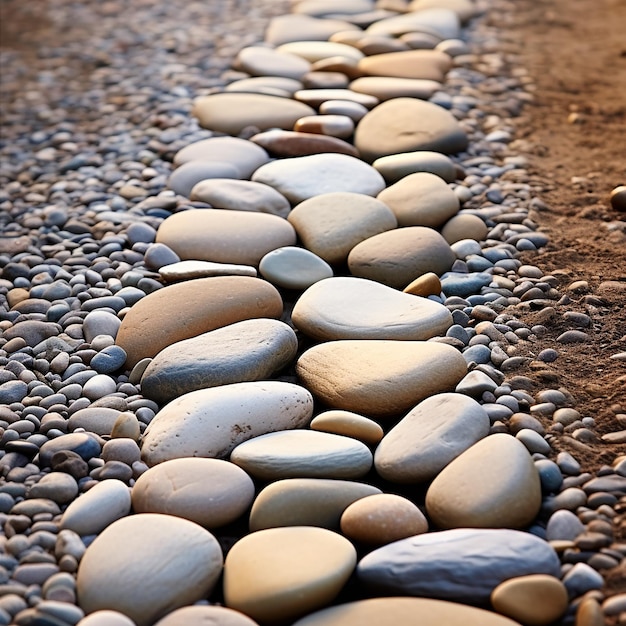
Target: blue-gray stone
<point>477,354</point>
<point>82,444</point>
<point>108,360</point>
<point>13,391</point>
<point>457,284</point>
<point>549,475</point>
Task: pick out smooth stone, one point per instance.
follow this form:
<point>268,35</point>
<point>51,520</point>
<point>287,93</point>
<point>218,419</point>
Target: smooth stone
<point>294,268</point>
<point>324,8</point>
<point>493,484</point>
<point>340,126</point>
<point>564,525</point>
<point>99,420</point>
<point>212,615</point>
<point>441,22</point>
<point>348,424</point>
<point>476,383</point>
<point>617,198</point>
<point>244,155</point>
<point>536,599</point>
<point>403,612</point>
<point>331,224</point>
<point>209,492</point>
<point>306,502</point>
<point>269,85</point>
<point>241,195</point>
<point>344,108</point>
<point>56,486</point>
<point>188,270</point>
<point>100,323</point>
<point>377,377</point>
<point>355,308</point>
<point>590,613</point>
<point>158,320</point>
<point>99,386</point>
<point>421,199</point>
<point>461,565</point>
<point>244,351</point>
<point>317,97</point>
<point>98,508</point>
<point>285,143</point>
<point>106,618</point>
<point>280,574</point>
<point>232,112</point>
<point>33,332</point>
<point>426,285</point>
<point>314,51</point>
<point>430,437</point>
<point>381,519</point>
<point>225,236</point>
<point>303,454</point>
<point>396,166</point>
<point>294,27</point>
<point>464,226</point>
<point>301,178</point>
<point>465,9</point>
<point>84,445</point>
<point>462,284</point>
<point>319,79</point>
<point>147,565</point>
<point>416,64</point>
<point>406,125</point>
<point>386,88</point>
<point>261,61</point>
<point>581,579</point>
<point>184,178</point>
<point>397,257</point>
<point>211,422</point>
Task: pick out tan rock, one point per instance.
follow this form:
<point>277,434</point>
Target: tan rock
<point>211,422</point>
<point>316,97</point>
<point>348,424</point>
<point>225,236</point>
<point>331,224</point>
<point>158,320</point>
<point>397,257</point>
<point>377,377</point>
<point>535,600</point>
<point>303,454</point>
<point>263,61</point>
<point>426,285</point>
<point>314,51</point>
<point>207,615</point>
<point>404,612</point>
<point>397,166</point>
<point>493,484</point>
<point>209,492</point>
<point>147,565</point>
<point>340,126</point>
<point>589,613</point>
<point>381,519</point>
<point>294,27</point>
<point>354,308</point>
<point>464,226</point>
<point>282,573</point>
<point>386,88</point>
<point>306,502</point>
<point>126,425</point>
<point>285,143</point>
<point>423,64</point>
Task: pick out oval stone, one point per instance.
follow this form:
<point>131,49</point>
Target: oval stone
<point>397,257</point>
<point>231,112</point>
<point>331,224</point>
<point>492,484</point>
<point>283,573</point>
<point>405,125</point>
<point>378,377</point>
<point>306,502</point>
<point>403,612</point>
<point>146,565</point>
<point>348,424</point>
<point>417,64</point>
<point>99,507</point>
<point>421,199</point>
<point>225,236</point>
<point>303,454</point>
<point>431,435</point>
<point>442,22</point>
<point>536,599</point>
<point>205,615</point>
<point>270,85</point>
<point>461,565</point>
<point>317,50</point>
<point>294,268</point>
<point>262,61</point>
<point>354,308</point>
<point>209,492</point>
<point>241,195</point>
<point>159,320</point>
<point>188,270</point>
<point>245,351</point>
<point>381,519</point>
<point>386,88</point>
<point>211,422</point>
<point>340,126</point>
<point>285,143</point>
<point>301,178</point>
<point>184,178</point>
<point>397,166</point>
<point>464,226</point>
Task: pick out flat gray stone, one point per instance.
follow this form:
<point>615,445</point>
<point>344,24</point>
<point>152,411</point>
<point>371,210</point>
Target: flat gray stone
<point>183,179</point>
<point>292,267</point>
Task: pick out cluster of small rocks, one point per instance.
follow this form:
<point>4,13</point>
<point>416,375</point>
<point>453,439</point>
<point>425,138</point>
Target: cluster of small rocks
<point>270,357</point>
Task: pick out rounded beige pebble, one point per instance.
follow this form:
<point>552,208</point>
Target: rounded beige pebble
<point>205,616</point>
<point>209,492</point>
<point>146,565</point>
<point>283,573</point>
<point>348,424</point>
<point>106,618</point>
<point>535,600</point>
<point>426,285</point>
<point>404,612</point>
<point>464,226</point>
<point>618,198</point>
<point>126,426</point>
<point>589,613</point>
<point>493,484</point>
<point>381,519</point>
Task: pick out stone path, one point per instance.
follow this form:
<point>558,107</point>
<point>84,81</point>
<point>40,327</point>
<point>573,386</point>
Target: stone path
<point>260,358</point>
